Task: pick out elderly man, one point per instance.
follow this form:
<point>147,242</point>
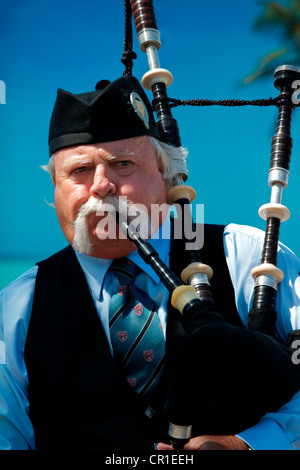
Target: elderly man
<point>73,374</point>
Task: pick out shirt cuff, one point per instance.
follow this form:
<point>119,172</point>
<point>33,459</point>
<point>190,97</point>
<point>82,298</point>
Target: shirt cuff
<point>265,435</point>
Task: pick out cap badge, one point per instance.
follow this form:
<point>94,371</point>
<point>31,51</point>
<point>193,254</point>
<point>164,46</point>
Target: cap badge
<point>140,108</point>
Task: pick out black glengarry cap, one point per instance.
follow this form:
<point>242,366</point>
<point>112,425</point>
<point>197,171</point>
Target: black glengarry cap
<point>114,111</point>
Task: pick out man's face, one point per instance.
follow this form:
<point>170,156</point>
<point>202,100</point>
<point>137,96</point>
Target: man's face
<point>127,168</point>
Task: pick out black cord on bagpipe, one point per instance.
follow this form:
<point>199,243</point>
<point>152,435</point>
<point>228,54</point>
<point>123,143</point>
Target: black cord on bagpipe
<point>129,55</point>
<point>219,368</point>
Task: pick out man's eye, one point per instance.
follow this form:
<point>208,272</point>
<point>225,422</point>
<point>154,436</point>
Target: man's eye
<point>124,163</point>
<point>80,169</point>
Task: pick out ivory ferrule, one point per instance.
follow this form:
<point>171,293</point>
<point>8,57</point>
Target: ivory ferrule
<point>182,295</point>
<point>273,209</point>
<point>196,269</point>
<point>180,191</point>
<point>267,269</point>
<point>156,76</point>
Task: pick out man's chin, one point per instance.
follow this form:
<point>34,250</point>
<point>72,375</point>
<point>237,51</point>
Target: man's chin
<point>106,245</point>
<point>109,249</point>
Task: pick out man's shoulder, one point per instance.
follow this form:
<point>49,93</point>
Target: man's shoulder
<point>26,281</point>
<point>16,300</point>
<point>234,232</point>
<point>247,230</point>
<point>27,277</point>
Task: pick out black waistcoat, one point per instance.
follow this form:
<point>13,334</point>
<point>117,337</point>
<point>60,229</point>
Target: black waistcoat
<point>78,397</point>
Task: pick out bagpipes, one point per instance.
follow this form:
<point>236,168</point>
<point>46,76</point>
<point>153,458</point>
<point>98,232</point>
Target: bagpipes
<point>222,378</point>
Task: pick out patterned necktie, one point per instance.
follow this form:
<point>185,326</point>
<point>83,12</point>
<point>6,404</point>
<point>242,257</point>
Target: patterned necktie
<point>136,334</point>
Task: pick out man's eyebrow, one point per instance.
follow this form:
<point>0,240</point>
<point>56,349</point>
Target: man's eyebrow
<point>75,160</point>
<point>121,154</point>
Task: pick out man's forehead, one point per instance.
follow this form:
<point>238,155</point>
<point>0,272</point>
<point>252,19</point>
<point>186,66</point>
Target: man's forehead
<point>117,147</point>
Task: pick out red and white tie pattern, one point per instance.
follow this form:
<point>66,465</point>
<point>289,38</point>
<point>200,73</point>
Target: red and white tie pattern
<point>136,334</point>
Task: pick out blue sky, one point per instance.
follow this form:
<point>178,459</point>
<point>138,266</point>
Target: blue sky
<point>209,46</point>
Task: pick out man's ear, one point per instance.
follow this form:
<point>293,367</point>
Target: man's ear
<point>160,165</point>
<point>54,180</point>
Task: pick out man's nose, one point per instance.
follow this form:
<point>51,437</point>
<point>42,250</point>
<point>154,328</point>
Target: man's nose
<point>102,183</point>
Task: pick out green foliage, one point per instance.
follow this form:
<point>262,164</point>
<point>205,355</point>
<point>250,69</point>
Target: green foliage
<point>283,19</point>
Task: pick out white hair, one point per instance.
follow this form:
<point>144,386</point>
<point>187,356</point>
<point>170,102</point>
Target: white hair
<point>50,168</point>
<point>173,161</point>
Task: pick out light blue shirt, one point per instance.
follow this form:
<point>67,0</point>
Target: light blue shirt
<point>243,246</point>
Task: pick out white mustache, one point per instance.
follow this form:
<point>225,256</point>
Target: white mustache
<point>95,205</point>
<point>109,205</point>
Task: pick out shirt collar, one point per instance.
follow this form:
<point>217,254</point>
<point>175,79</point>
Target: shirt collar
<point>96,268</point>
